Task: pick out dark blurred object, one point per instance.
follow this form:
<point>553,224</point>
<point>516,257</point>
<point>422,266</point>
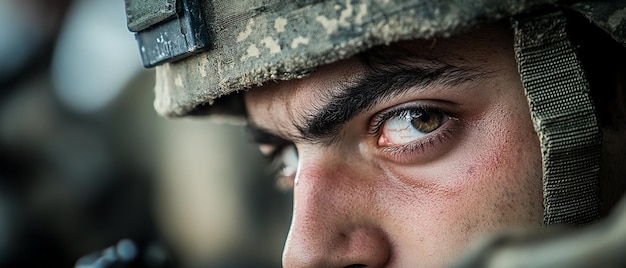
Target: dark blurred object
<point>126,254</point>
<point>69,184</point>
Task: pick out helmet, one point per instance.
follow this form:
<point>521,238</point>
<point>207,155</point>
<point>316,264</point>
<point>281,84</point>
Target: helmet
<point>247,43</point>
<point>205,52</point>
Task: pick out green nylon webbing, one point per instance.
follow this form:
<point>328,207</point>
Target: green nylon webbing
<point>563,115</point>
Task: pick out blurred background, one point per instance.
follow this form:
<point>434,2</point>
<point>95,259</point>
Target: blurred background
<point>86,161</point>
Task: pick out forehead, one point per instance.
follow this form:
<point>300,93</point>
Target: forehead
<point>487,49</point>
<point>301,94</point>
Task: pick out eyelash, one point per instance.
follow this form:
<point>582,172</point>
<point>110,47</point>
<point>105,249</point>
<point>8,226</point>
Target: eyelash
<point>379,120</point>
<point>409,151</point>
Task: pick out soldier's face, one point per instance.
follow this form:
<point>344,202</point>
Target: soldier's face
<point>403,155</point>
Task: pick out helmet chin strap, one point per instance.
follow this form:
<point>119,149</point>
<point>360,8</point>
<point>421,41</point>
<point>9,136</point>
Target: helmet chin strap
<point>563,115</point>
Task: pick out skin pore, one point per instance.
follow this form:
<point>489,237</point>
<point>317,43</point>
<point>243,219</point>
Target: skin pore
<point>403,154</point>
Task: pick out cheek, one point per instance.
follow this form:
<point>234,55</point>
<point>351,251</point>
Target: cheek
<point>490,181</point>
<point>501,176</point>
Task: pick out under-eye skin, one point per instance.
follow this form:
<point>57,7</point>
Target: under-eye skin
<point>405,132</point>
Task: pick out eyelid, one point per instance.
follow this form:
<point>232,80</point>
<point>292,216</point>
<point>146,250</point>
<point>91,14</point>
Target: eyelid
<point>379,119</point>
<point>422,149</point>
<point>267,149</point>
<point>417,152</point>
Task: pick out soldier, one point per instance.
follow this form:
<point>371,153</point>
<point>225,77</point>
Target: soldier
<point>411,128</point>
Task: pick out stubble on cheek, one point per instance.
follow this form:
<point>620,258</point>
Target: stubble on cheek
<point>513,172</point>
<point>501,177</point>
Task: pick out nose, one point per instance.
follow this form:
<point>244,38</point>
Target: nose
<point>334,220</point>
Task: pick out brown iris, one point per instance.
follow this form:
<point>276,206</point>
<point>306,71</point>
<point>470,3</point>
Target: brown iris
<point>426,121</point>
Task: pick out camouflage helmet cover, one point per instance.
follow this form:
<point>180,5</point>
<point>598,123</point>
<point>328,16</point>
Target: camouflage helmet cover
<point>252,42</point>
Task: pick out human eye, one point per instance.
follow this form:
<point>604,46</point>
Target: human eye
<point>284,159</point>
<point>280,153</point>
<point>409,129</point>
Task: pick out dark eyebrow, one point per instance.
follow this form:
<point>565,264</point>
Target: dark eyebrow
<point>377,85</point>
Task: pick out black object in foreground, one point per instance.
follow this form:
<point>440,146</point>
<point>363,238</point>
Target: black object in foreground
<point>125,254</point>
